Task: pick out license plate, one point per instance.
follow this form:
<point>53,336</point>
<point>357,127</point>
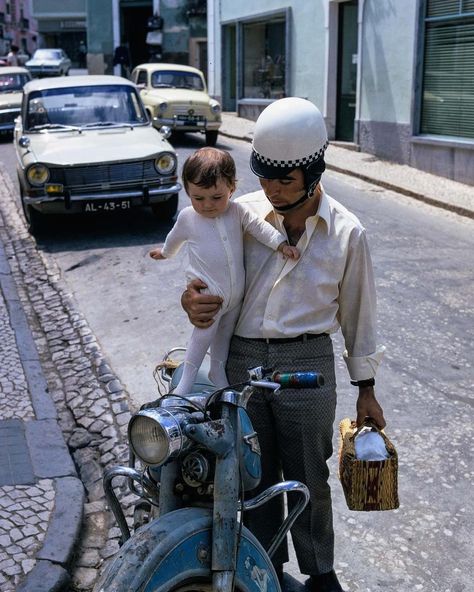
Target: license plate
<point>191,119</point>
<point>107,206</point>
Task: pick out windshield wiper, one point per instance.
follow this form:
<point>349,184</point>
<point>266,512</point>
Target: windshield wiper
<point>107,124</point>
<point>45,126</point>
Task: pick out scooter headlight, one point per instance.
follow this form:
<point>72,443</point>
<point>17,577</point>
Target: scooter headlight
<point>155,435</point>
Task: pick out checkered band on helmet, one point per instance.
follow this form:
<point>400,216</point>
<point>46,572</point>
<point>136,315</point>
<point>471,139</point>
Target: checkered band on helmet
<point>298,162</point>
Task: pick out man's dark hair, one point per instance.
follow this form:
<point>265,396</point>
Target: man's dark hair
<point>207,166</point>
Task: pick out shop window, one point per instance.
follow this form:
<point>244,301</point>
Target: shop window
<point>264,47</point>
<point>448,69</point>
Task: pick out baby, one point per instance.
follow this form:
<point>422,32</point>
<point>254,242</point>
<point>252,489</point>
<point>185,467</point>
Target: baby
<point>213,228</point>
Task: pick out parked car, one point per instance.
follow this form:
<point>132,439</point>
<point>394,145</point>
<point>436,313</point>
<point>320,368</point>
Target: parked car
<point>176,96</point>
<point>49,62</point>
<point>85,144</point>
<point>12,81</point>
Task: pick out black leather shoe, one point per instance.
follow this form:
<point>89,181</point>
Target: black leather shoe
<point>327,582</point>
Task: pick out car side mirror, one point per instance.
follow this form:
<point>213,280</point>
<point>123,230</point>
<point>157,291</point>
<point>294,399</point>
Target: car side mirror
<point>141,86</point>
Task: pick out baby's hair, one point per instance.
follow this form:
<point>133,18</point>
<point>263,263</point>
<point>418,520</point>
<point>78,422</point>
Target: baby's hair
<point>207,166</point>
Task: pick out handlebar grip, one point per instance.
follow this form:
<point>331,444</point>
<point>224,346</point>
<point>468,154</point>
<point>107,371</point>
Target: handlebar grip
<point>298,380</point>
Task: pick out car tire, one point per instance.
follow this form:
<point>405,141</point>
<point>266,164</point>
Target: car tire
<point>166,210</point>
<point>211,137</point>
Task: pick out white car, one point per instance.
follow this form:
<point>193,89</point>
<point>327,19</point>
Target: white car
<point>176,96</point>
<point>85,144</point>
<point>12,80</point>
<point>49,62</point>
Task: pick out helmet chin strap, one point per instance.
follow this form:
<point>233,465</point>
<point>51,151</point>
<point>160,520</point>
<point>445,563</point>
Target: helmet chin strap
<point>308,195</point>
<point>293,206</point>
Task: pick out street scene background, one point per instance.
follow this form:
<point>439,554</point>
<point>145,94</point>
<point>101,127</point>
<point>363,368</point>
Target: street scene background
<point>423,265</point>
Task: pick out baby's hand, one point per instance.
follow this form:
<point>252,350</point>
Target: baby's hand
<point>288,251</point>
<point>157,254</point>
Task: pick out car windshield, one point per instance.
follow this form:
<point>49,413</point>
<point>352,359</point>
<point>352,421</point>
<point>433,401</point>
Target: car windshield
<point>84,106</point>
<point>12,82</point>
<point>47,54</point>
<point>176,79</point>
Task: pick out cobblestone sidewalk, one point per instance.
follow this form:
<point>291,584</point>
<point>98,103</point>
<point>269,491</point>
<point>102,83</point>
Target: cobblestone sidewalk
<point>63,419</point>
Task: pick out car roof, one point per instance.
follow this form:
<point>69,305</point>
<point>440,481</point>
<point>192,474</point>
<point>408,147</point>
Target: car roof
<point>162,66</point>
<point>13,70</point>
<point>69,81</point>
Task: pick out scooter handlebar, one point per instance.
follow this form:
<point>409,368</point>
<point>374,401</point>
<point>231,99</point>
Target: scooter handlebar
<point>298,380</point>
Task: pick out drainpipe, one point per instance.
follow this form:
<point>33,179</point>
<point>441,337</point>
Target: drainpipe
<point>360,28</point>
<point>116,30</point>
<point>211,47</point>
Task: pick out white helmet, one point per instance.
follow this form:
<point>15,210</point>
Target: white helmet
<point>290,133</point>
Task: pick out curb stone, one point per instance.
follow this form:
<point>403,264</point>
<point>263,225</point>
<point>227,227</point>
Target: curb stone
<point>64,366</point>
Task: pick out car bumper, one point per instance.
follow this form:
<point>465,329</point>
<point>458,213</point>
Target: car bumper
<point>45,71</point>
<point>185,126</point>
<point>72,203</point>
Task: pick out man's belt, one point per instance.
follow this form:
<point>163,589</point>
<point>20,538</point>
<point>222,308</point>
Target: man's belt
<point>277,340</point>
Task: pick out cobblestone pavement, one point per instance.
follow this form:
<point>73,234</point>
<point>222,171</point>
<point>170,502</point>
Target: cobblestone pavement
<point>55,388</point>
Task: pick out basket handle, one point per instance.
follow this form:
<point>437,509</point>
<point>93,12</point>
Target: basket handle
<point>368,422</point>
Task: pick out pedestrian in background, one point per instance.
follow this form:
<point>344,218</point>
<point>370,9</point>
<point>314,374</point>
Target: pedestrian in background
<point>289,311</point>
<point>12,56</point>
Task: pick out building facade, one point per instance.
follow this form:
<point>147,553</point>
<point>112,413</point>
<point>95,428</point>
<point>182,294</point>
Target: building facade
<point>394,78</point>
<point>145,31</point>
<point>17,27</point>
<point>62,25</point>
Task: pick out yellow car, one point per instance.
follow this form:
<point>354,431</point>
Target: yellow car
<point>176,96</point>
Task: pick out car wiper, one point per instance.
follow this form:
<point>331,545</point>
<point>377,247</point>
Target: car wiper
<point>107,124</point>
<point>45,126</point>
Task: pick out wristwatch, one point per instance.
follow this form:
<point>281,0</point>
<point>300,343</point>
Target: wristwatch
<point>363,383</point>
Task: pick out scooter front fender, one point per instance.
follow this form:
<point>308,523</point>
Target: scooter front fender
<point>174,551</point>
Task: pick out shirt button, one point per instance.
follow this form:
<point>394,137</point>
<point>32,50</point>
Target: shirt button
<point>224,238</point>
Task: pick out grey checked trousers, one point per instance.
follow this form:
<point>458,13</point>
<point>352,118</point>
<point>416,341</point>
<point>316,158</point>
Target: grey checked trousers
<point>295,429</point>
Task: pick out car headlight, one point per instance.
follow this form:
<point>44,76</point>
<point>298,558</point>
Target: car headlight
<point>155,435</point>
<point>37,174</point>
<point>163,107</point>
<point>215,107</point>
<point>165,163</point>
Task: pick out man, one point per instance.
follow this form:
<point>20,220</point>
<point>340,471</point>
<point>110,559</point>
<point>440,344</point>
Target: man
<point>289,311</point>
<point>12,56</point>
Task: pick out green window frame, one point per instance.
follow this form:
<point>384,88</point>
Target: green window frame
<point>447,102</point>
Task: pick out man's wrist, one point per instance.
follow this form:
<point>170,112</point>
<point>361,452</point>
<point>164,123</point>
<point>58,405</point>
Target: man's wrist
<point>363,383</point>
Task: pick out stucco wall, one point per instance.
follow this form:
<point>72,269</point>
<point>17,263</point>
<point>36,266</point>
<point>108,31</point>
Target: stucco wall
<point>388,56</point>
<point>100,44</point>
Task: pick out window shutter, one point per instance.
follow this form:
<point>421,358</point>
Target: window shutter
<point>448,77</point>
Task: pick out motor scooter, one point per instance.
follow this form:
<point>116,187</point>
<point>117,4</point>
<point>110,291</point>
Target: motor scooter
<point>192,460</point>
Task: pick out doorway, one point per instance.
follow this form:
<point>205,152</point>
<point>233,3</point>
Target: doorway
<point>347,70</point>
<point>229,69</point>
<point>133,20</point>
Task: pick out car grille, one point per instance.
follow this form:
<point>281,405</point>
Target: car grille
<point>106,176</point>
<point>9,116</point>
<point>182,111</point>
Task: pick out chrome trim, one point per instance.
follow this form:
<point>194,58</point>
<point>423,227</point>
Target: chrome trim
<point>101,196</point>
<point>271,492</point>
<point>112,499</point>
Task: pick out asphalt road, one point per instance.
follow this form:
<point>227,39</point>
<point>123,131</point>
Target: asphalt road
<point>424,270</point>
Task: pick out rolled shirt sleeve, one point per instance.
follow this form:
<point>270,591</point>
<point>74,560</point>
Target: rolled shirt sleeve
<point>358,310</point>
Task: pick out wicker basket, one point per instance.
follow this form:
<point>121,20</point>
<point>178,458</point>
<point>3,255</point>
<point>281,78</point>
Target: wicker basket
<point>368,485</point>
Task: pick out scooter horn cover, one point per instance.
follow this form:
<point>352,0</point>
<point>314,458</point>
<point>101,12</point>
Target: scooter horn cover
<point>289,133</point>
